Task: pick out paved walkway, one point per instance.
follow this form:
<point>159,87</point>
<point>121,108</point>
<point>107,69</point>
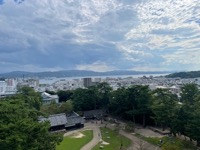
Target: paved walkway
<point>137,143</point>
<point>96,137</point>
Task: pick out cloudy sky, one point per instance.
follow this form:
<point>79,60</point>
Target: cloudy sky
<point>99,35</point>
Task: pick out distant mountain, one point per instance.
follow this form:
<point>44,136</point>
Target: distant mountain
<point>190,74</point>
<point>74,73</point>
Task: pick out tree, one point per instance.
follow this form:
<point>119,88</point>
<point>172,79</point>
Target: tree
<point>143,102</point>
<point>118,103</point>
<point>85,99</point>
<point>53,108</point>
<point>103,91</point>
<point>192,125</point>
<point>32,98</point>
<point>163,106</point>
<point>65,95</point>
<point>188,93</point>
<point>138,97</point>
<point>66,107</point>
<point>131,103</point>
<point>20,129</point>
<point>50,109</point>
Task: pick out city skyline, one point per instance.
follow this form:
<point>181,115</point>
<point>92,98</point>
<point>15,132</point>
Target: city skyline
<point>99,35</point>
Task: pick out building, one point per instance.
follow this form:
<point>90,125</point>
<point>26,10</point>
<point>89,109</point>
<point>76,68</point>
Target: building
<point>95,114</point>
<point>48,98</point>
<point>87,82</point>
<point>57,121</point>
<point>63,121</point>
<point>2,87</point>
<point>7,87</point>
<point>74,121</point>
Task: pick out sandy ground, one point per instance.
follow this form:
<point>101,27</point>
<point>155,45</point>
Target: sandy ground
<point>77,135</point>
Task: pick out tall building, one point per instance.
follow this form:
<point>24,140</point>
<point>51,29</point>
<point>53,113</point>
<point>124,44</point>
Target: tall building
<point>87,82</point>
<point>2,87</point>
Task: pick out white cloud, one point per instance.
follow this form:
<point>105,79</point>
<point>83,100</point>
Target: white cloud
<point>145,33</point>
<point>165,25</point>
<point>183,57</point>
<point>97,66</point>
<point>8,67</point>
<point>149,68</point>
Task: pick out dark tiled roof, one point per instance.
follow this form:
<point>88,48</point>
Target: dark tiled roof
<point>71,121</point>
<point>55,120</point>
<point>61,119</point>
<point>94,113</point>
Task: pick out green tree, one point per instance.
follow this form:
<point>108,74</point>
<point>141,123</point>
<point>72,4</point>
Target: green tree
<point>188,93</point>
<point>85,99</point>
<point>65,95</point>
<point>103,91</point>
<point>131,102</point>
<point>192,125</point>
<point>20,129</point>
<point>50,109</point>
<point>164,105</point>
<point>143,102</point>
<point>32,98</point>
<point>66,107</point>
<point>118,103</point>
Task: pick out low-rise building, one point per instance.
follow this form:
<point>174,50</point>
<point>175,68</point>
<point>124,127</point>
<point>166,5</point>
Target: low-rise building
<point>48,98</point>
<point>63,121</point>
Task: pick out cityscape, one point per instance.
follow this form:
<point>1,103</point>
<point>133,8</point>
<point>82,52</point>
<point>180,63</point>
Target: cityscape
<point>99,75</point>
<point>9,86</point>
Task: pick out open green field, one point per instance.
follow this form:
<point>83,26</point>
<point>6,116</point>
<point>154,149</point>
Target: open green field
<point>114,139</point>
<point>168,143</point>
<point>72,143</point>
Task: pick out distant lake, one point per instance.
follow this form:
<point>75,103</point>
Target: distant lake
<point>51,80</point>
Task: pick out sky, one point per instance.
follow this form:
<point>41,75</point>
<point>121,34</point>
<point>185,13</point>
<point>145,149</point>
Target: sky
<point>99,35</point>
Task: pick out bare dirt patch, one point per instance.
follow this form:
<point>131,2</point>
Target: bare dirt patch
<point>105,143</point>
<point>74,135</point>
<point>77,135</point>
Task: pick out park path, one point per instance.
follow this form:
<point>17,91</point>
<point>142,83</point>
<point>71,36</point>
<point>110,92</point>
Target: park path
<point>138,143</point>
<point>96,138</point>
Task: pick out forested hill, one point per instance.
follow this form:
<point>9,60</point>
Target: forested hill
<point>76,73</point>
<point>191,74</point>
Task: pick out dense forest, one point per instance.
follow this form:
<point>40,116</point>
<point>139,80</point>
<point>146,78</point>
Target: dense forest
<point>19,114</point>
<point>191,74</point>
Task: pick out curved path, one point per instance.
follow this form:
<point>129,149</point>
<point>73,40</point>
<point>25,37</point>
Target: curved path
<point>137,143</point>
<point>96,137</point>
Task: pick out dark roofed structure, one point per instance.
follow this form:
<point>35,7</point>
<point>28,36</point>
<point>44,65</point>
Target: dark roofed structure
<point>74,120</point>
<point>92,114</point>
<point>61,121</point>
<point>57,121</point>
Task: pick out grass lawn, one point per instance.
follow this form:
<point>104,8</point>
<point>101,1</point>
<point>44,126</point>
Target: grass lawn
<point>170,143</point>
<point>70,143</point>
<point>114,139</point>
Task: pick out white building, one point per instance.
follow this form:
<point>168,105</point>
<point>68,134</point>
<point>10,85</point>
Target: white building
<point>48,98</point>
<point>3,86</point>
